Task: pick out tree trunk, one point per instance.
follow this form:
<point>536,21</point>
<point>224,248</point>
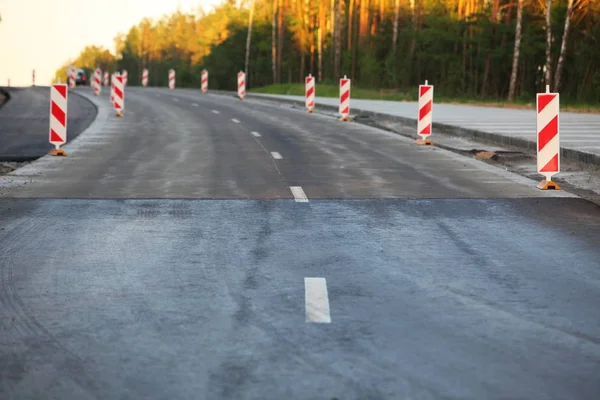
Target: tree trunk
<point>548,72</point>
<point>395,29</point>
<point>516,52</point>
<point>320,34</point>
<point>281,30</point>
<point>248,39</point>
<point>338,40</point>
<point>350,16</point>
<point>274,42</point>
<point>563,49</point>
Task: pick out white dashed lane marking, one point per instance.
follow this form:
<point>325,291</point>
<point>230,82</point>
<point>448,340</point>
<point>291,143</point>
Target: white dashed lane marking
<point>276,155</point>
<point>215,112</point>
<point>195,104</point>
<point>235,120</point>
<point>316,300</point>
<point>175,99</point>
<point>256,134</point>
<point>299,194</point>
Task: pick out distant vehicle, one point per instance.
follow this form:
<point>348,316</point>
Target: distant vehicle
<point>81,78</point>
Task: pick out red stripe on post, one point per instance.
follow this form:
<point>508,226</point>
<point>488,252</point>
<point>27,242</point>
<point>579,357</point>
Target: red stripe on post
<point>62,89</point>
<point>426,109</point>
<point>118,91</point>
<point>345,96</point>
<point>54,137</point>
<point>426,130</point>
<point>552,166</point>
<point>310,91</point>
<point>547,133</point>
<point>544,100</point>
<point>423,90</point>
<point>58,113</point>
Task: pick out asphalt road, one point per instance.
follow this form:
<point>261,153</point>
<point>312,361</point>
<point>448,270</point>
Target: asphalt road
<point>24,122</point>
<point>168,257</point>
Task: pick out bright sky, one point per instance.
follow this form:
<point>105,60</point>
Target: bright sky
<point>43,34</point>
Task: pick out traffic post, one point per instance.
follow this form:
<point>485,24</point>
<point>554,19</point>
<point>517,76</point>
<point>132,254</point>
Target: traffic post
<point>204,81</point>
<point>33,78</point>
<point>97,82</point>
<point>241,85</point>
<point>71,73</point>
<point>344,109</point>
<point>145,77</point>
<point>112,88</point>
<point>548,138</point>
<point>124,76</point>
<point>119,96</point>
<point>171,79</point>
<point>105,78</point>
<point>58,117</point>
<point>424,120</point>
<point>309,89</point>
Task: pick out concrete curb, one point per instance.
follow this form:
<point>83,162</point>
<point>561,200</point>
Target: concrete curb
<point>529,146</point>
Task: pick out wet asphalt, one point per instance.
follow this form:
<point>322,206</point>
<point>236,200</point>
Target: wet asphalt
<point>166,257</point>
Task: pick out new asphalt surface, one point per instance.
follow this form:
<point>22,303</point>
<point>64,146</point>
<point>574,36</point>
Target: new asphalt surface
<point>204,247</point>
<point>24,122</point>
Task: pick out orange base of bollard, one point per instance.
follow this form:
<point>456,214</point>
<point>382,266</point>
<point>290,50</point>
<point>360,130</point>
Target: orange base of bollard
<point>344,119</point>
<point>424,142</point>
<point>310,111</point>
<point>118,114</point>
<point>548,185</point>
<point>58,152</point>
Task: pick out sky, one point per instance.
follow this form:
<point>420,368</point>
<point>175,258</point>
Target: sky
<point>44,34</point>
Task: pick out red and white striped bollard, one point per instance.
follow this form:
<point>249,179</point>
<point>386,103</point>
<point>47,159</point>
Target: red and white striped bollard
<point>124,76</point>
<point>106,78</point>
<point>33,78</point>
<point>241,78</point>
<point>71,73</point>
<point>425,117</point>
<point>58,117</point>
<point>145,77</point>
<point>171,79</point>
<point>97,81</point>
<point>309,90</point>
<point>344,109</point>
<point>204,81</point>
<point>548,138</point>
<point>119,95</point>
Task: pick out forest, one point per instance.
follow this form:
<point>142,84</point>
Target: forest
<point>480,49</point>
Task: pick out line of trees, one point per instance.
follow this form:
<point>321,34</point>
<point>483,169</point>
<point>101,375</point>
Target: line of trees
<point>468,48</point>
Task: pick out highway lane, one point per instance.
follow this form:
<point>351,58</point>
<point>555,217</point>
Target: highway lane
<point>445,277</point>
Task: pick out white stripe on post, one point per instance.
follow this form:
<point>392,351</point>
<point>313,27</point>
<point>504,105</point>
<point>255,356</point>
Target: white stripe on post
<point>344,98</point>
<point>145,77</point>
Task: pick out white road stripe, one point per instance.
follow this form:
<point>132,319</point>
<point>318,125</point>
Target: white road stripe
<point>276,155</point>
<point>316,300</point>
<point>299,194</point>
<point>215,111</point>
<point>195,104</point>
<point>175,99</point>
<point>256,134</point>
<point>235,120</point>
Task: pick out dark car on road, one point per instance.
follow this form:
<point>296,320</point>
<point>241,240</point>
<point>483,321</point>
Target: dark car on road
<point>81,78</point>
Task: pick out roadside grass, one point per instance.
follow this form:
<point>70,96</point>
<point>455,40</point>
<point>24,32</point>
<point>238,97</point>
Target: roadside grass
<point>325,90</point>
